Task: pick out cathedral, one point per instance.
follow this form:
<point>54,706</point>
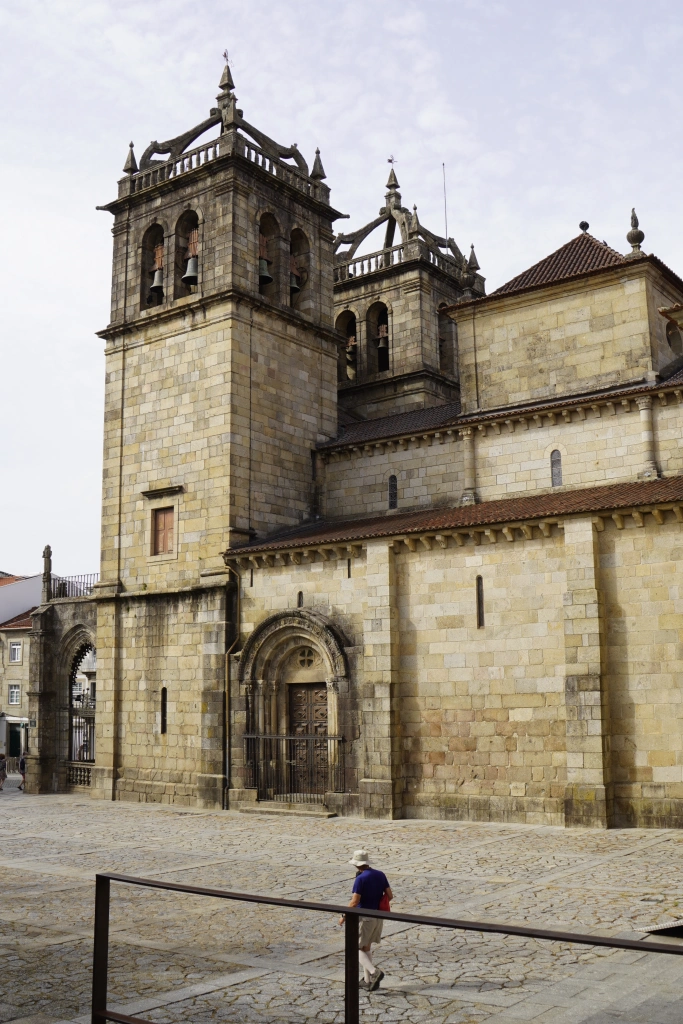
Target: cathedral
<point>374,541</point>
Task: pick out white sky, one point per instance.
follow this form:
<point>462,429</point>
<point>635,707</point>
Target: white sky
<point>545,114</point>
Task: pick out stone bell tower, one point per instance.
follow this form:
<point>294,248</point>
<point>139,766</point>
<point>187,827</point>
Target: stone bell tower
<point>220,380</point>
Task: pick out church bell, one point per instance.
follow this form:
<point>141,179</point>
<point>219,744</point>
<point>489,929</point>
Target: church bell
<point>264,275</point>
<point>383,336</point>
<point>294,276</point>
<point>157,285</point>
<point>191,275</point>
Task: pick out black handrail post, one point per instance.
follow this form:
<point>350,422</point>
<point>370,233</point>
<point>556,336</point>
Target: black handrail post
<point>100,948</point>
<point>351,1014</point>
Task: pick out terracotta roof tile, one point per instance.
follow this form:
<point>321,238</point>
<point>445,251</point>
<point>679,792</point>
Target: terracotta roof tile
<point>580,256</point>
<point>5,579</point>
<point>21,621</point>
<point>590,499</point>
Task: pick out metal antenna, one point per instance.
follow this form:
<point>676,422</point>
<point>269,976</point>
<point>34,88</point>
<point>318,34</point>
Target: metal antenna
<point>445,207</point>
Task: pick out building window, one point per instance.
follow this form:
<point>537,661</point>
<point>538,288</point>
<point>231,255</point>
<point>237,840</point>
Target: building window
<point>306,657</point>
<point>186,269</point>
<point>393,492</point>
<point>556,468</point>
<point>164,710</point>
<point>15,652</point>
<point>300,599</point>
<point>480,603</point>
<point>14,695</point>
<point>162,531</point>
<point>268,258</point>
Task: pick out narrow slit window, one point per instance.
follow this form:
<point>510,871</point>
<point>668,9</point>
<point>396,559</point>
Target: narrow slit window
<point>162,531</point>
<point>251,577</point>
<point>393,492</point>
<point>556,468</point>
<point>348,568</point>
<point>164,710</point>
<point>300,599</point>
<point>480,602</point>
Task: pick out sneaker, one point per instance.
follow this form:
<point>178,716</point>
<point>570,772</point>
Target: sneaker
<point>365,985</point>
<point>374,984</point>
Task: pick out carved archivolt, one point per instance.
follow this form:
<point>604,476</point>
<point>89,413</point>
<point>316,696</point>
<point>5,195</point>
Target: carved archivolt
<point>271,645</point>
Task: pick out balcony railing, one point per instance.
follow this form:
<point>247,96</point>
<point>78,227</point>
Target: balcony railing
<point>294,769</point>
<point>73,586</point>
<point>209,152</point>
<point>78,774</point>
<point>374,262</point>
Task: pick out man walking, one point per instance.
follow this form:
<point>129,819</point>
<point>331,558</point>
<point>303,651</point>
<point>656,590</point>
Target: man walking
<point>368,889</point>
<point>22,771</point>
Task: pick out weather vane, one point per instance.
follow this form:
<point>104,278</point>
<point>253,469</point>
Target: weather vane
<point>226,58</point>
<point>392,160</point>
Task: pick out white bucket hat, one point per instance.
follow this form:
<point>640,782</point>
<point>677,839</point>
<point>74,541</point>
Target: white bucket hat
<point>360,859</point>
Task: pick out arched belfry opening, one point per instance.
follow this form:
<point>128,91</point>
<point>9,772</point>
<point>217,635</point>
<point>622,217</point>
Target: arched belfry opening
<point>269,258</point>
<point>186,263</point>
<point>291,669</point>
<point>299,269</point>
<point>82,703</point>
<point>347,353</point>
<point>378,340</point>
<point>152,271</point>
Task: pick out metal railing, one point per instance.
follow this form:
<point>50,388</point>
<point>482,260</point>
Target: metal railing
<point>78,773</point>
<point>100,1011</point>
<point>294,769</point>
<point>73,586</point>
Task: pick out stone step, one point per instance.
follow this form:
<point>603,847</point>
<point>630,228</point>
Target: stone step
<point>289,810</point>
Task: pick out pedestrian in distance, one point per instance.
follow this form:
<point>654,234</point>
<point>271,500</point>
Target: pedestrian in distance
<point>371,891</point>
<point>3,770</point>
<point>22,771</point>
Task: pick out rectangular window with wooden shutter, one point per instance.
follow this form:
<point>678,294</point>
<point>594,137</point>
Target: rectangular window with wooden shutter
<point>162,531</point>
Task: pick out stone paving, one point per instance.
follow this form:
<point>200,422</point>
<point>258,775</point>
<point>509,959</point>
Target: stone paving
<point>176,958</point>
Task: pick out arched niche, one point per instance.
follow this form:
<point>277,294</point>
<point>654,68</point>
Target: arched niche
<point>299,269</point>
<point>297,646</point>
<point>378,340</point>
<point>153,283</point>
<point>347,352</point>
<point>269,258</point>
<point>186,251</point>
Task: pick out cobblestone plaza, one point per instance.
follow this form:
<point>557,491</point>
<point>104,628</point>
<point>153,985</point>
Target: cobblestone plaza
<point>177,958</point>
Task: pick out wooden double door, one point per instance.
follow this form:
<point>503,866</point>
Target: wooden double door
<point>308,754</point>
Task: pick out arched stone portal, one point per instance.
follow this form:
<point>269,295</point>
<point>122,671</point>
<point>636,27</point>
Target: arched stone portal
<point>291,672</point>
<point>77,687</point>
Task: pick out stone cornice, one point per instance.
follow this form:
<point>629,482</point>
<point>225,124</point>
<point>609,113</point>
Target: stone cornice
<point>203,302</point>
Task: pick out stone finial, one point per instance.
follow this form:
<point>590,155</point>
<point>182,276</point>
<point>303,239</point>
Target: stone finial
<point>47,575</point>
<point>226,83</point>
<point>131,164</point>
<point>392,183</point>
<point>635,236</point>
<point>584,225</point>
<point>473,263</point>
<point>318,172</point>
<point>414,222</point>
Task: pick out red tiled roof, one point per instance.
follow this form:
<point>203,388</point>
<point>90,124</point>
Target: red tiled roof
<point>583,254</point>
<point>10,579</point>
<point>508,510</point>
<point>21,621</point>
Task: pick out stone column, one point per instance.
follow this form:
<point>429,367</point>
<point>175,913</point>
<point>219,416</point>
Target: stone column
<point>381,785</point>
<point>469,494</point>
<point>649,466</point>
<point>586,728</point>
<point>43,775</point>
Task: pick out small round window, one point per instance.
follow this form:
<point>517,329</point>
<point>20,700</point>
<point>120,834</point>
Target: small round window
<point>673,336</point>
<point>306,657</point>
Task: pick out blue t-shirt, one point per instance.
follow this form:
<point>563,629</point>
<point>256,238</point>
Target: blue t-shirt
<point>370,886</point>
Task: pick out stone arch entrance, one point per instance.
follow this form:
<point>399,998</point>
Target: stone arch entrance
<point>291,670</point>
<point>78,686</point>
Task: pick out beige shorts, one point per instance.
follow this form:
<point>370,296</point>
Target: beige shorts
<point>370,930</point>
